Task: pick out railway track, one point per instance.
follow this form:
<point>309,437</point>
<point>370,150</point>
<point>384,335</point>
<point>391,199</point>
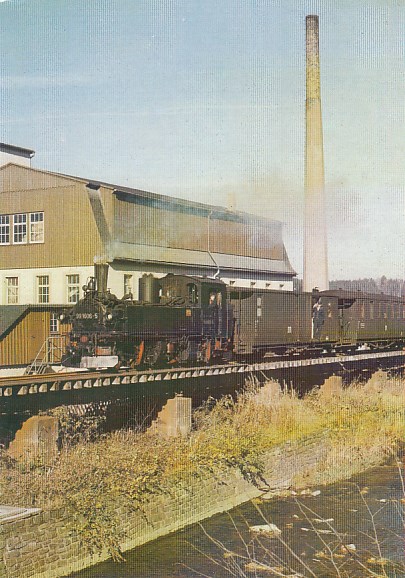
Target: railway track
<point>28,385</point>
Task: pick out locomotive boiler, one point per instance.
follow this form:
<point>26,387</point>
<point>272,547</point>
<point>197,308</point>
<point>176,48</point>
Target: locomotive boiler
<point>181,320</point>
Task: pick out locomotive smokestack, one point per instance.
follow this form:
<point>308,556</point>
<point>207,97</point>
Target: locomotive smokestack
<point>101,276</point>
<point>315,241</point>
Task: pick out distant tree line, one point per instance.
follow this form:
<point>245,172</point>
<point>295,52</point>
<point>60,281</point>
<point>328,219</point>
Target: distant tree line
<point>394,287</point>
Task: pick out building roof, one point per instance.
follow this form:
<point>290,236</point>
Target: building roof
<point>358,294</point>
<point>157,199</point>
<point>9,315</point>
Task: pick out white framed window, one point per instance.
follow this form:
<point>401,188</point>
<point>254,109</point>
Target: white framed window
<point>12,290</point>
<point>43,288</point>
<point>128,288</point>
<point>73,288</point>
<point>37,227</point>
<point>20,229</point>
<point>4,229</point>
<point>54,323</point>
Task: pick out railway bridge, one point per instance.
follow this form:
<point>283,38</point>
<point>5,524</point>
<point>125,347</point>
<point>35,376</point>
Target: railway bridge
<point>133,398</point>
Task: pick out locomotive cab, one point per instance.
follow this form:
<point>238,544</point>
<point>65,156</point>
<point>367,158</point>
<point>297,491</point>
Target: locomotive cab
<point>207,295</point>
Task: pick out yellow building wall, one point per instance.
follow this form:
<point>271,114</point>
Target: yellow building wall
<point>71,236</point>
<point>22,344</point>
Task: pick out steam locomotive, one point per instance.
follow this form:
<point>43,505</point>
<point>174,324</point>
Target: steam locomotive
<point>181,320</point>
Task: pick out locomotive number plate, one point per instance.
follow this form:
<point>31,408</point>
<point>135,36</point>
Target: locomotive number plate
<point>87,315</point>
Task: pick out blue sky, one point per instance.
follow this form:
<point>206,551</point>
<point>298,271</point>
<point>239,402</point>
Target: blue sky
<point>206,101</point>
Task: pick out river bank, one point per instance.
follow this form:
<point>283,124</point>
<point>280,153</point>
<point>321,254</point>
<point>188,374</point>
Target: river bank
<point>104,497</point>
<point>313,528</point>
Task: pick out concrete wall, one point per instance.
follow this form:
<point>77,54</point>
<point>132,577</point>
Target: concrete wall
<point>28,290</point>
<point>45,544</point>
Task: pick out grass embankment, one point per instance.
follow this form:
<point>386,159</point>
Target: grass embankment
<point>127,468</point>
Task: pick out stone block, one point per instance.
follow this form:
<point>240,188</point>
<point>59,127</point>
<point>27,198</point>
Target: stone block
<point>269,394</point>
<point>377,381</point>
<point>37,439</point>
<point>174,419</point>
<point>332,387</point>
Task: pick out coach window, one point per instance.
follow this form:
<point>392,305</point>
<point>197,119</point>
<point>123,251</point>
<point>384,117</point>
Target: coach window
<point>192,293</point>
<point>218,299</point>
<point>212,297</point>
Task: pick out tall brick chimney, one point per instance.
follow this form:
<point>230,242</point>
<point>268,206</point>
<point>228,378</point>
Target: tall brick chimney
<point>315,239</point>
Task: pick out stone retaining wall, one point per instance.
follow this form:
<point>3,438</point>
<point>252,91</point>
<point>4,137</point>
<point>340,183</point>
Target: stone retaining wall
<point>45,544</point>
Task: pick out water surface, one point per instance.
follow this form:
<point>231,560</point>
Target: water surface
<point>361,512</point>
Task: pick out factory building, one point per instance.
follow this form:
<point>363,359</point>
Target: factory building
<point>53,227</point>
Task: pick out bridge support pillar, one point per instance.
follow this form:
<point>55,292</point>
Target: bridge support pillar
<point>378,380</point>
<point>174,419</point>
<point>332,386</point>
<point>37,439</point>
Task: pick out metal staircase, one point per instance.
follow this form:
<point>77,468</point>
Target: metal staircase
<point>50,353</point>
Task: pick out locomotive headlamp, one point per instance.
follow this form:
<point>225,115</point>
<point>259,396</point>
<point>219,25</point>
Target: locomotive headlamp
<point>109,316</point>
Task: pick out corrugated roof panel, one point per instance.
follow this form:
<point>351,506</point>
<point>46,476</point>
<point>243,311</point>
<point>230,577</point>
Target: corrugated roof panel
<point>169,256</point>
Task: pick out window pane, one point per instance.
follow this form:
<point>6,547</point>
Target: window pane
<point>12,290</point>
<point>73,288</point>
<point>20,229</point>
<point>4,229</point>
<point>43,289</point>
<point>36,227</point>
<point>54,323</point>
